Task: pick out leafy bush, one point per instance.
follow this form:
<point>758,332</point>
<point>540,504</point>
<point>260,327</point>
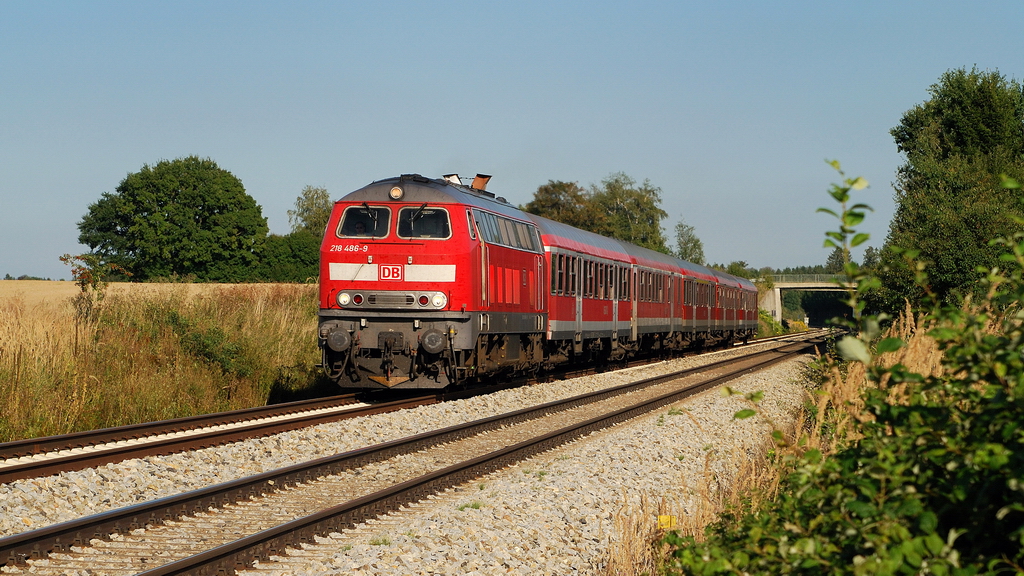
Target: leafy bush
<point>930,480</point>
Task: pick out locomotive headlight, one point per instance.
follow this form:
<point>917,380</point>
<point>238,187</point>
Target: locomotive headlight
<point>344,299</point>
<point>439,300</point>
<point>396,193</point>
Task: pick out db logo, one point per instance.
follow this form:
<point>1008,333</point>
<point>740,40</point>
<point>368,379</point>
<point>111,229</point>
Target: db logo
<point>391,272</point>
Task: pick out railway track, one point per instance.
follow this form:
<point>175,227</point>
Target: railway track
<point>54,454</point>
<point>51,455</point>
<point>245,532</point>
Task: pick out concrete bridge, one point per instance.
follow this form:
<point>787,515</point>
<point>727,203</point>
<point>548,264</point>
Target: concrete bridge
<point>771,300</point>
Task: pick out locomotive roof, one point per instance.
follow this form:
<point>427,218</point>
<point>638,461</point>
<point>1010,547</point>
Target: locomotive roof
<point>432,191</point>
<point>561,235</point>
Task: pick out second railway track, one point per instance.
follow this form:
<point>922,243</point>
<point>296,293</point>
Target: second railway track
<point>459,459</point>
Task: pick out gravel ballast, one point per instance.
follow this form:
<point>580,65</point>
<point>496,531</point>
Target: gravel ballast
<point>568,542</point>
<point>556,513</point>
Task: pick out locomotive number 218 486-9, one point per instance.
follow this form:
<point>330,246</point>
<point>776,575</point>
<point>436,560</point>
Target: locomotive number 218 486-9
<point>349,247</point>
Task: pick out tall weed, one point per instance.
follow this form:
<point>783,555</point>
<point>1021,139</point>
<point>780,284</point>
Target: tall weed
<point>152,352</point>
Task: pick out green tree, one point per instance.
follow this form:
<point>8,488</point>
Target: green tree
<point>633,211</point>
<point>688,246</point>
<point>184,217</point>
<point>293,257</point>
<point>836,262</point>
<point>312,210</point>
<point>871,258</point>
<point>949,201</point>
<point>568,203</point>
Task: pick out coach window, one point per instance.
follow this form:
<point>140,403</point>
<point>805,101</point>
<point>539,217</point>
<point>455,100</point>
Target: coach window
<point>423,222</point>
<point>560,263</point>
<point>554,274</point>
<point>364,221</point>
<point>570,277</point>
<point>469,222</point>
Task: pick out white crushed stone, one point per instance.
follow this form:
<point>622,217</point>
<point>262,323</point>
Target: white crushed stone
<point>555,513</point>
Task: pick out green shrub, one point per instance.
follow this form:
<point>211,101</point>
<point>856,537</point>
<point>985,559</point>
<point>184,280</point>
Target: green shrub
<point>935,483</point>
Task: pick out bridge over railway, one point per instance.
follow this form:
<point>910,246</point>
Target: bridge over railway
<point>771,300</point>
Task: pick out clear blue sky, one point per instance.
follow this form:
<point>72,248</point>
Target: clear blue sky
<point>729,107</point>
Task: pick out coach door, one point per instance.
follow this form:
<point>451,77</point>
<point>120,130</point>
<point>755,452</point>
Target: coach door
<point>577,282</point>
<point>636,297</point>
<point>612,270</point>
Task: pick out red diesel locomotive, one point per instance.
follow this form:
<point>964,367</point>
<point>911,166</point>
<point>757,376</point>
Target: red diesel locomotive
<point>430,283</point>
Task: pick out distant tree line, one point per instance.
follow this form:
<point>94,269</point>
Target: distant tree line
<point>23,277</point>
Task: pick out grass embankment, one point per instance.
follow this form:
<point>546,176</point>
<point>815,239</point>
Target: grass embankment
<point>149,352</point>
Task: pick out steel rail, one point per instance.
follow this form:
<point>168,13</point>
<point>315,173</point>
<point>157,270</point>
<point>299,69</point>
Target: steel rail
<point>242,553</point>
<point>99,454</point>
<point>38,543</point>
<point>45,444</point>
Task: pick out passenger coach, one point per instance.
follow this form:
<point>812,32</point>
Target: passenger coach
<point>427,283</point>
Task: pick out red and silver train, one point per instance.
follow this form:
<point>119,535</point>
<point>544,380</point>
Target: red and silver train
<point>430,283</point>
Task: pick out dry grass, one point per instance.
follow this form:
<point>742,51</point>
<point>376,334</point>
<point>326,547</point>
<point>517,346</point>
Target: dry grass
<point>148,352</point>
<point>638,549</point>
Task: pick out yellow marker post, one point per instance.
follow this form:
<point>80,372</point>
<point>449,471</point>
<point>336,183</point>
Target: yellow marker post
<point>666,522</point>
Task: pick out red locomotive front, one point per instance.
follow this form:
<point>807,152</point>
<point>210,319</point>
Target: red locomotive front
<point>407,284</point>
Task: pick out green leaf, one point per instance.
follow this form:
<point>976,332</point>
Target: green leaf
<point>742,414</point>
<point>860,239</point>
<point>853,349</point>
<point>852,218</point>
<point>889,345</point>
<point>827,211</point>
<point>862,509</point>
<point>859,183</point>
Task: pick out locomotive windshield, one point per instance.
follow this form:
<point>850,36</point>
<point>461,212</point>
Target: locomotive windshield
<point>365,220</point>
<point>423,222</point>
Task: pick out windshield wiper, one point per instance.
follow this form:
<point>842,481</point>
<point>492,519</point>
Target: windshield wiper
<point>373,216</point>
